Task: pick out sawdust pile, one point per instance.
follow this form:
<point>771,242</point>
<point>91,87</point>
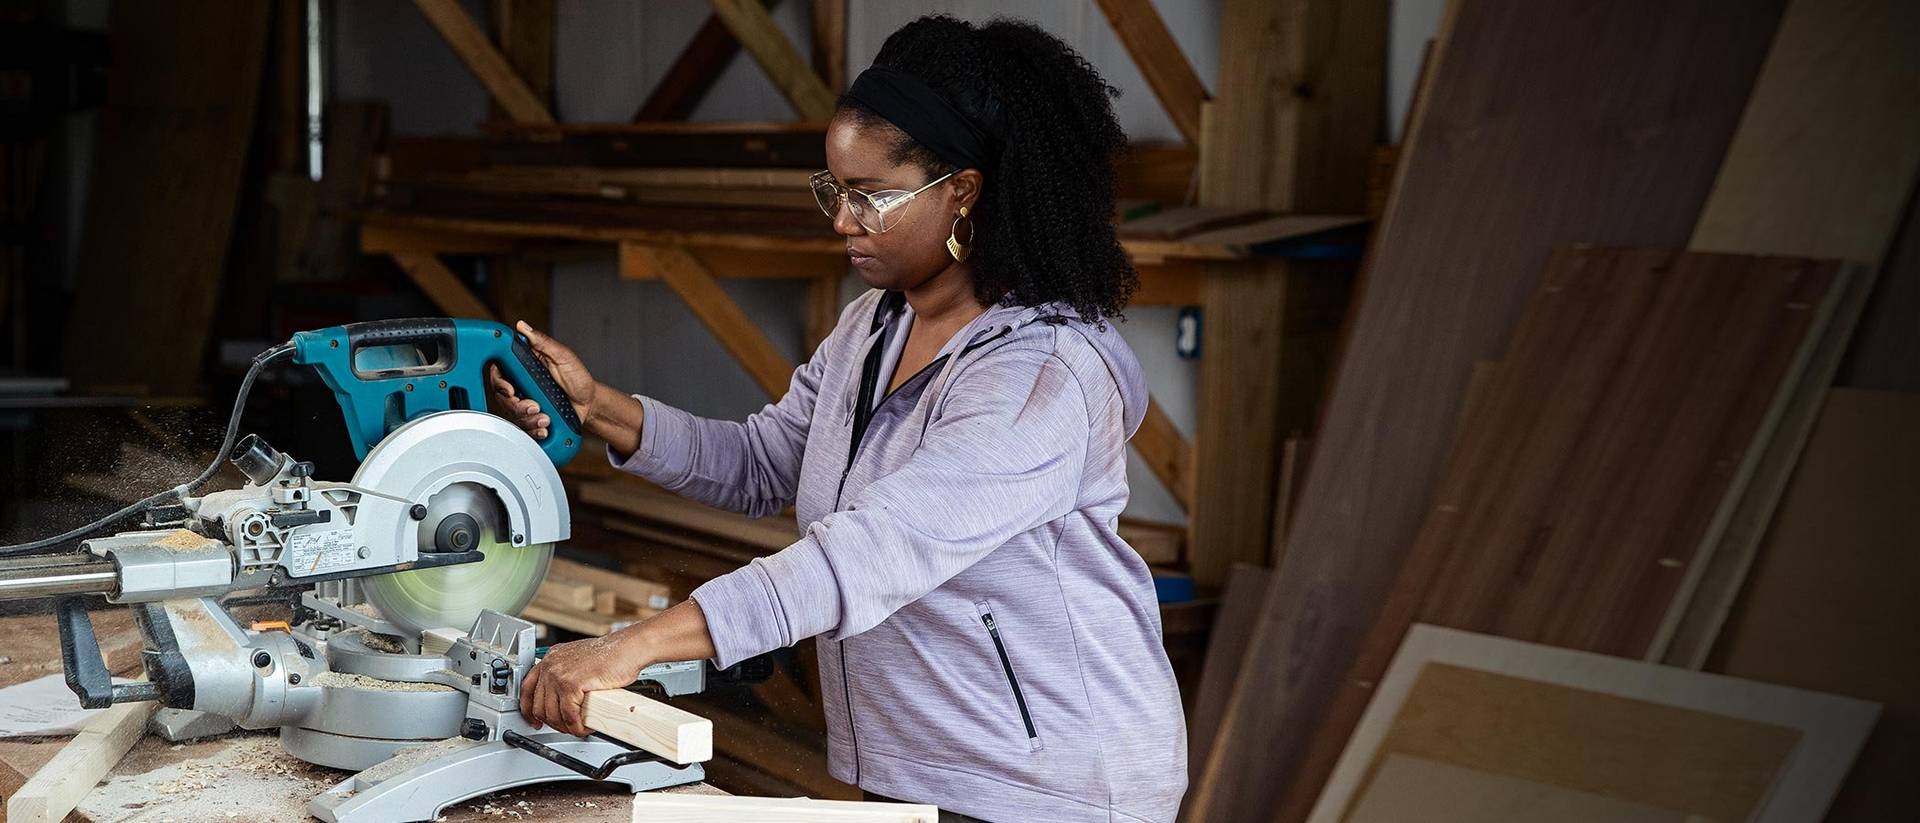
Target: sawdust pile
<point>376,641</point>
<point>276,786</point>
<point>180,540</point>
<point>342,680</point>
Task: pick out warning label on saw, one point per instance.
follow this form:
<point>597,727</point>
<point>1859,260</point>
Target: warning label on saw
<point>318,552</point>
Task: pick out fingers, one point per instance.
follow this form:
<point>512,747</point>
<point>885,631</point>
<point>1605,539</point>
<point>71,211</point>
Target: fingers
<point>543,345</point>
<point>500,384</point>
<point>530,696</point>
<point>573,709</point>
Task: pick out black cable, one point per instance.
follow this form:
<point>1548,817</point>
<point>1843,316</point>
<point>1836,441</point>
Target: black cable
<point>260,362</point>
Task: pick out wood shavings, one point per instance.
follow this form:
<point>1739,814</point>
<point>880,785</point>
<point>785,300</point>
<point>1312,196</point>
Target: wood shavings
<point>278,786</point>
<point>342,680</point>
<point>182,540</point>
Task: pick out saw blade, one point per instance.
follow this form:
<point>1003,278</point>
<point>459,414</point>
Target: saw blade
<point>453,596</point>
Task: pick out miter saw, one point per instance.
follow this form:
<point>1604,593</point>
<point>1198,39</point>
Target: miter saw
<point>449,521</point>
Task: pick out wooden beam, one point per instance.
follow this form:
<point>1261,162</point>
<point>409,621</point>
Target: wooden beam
<point>1161,62</point>
<point>830,42</point>
<point>1239,406</point>
<point>441,285</point>
<point>524,31</point>
<point>1297,110</point>
<point>438,641</point>
<point>690,808</point>
<point>823,308</point>
<point>64,781</point>
<point>693,72</point>
<point>379,238</point>
<point>675,734</point>
<point>1167,454</point>
<point>502,83</point>
<point>755,29</point>
<point>691,279</point>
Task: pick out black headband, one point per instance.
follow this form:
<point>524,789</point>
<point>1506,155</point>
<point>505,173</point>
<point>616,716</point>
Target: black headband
<point>926,116</point>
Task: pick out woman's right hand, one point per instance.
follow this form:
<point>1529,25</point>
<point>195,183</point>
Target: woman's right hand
<point>567,370</point>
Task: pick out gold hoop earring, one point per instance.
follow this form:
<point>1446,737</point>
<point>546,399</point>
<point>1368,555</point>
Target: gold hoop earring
<point>956,248</point>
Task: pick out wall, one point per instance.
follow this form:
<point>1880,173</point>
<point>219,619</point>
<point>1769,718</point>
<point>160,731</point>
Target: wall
<point>609,53</point>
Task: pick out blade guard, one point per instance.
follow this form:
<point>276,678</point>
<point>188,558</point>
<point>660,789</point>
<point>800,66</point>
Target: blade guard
<point>387,372</point>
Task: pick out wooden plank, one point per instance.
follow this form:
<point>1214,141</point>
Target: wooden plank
<point>823,307</point>
<point>1700,608</point>
<point>1159,544</point>
<point>488,65</point>
<point>1631,730</point>
<point>1176,223</point>
<point>581,621</point>
<point>1297,109</point>
<point>1827,151</point>
<point>625,587</point>
<point>1588,479</point>
<point>64,781</point>
<point>681,808</point>
<point>673,733</point>
<point>1829,604</point>
<point>524,31</point>
<point>1161,62</point>
<point>755,29</point>
<point>380,238</point>
<point>694,282</point>
<point>1293,460</point>
<point>771,534</point>
<point>441,285</point>
<point>1267,334</point>
<point>438,641</point>
<point>1408,788</point>
<point>678,91</point>
<point>1167,453</point>
<point>564,594</point>
<point>1482,197</point>
<point>829,18</point>
<point>1226,649</point>
<point>156,233</point>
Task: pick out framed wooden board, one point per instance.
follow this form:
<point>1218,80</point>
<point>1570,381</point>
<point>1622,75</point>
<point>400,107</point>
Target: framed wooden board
<point>1696,744</point>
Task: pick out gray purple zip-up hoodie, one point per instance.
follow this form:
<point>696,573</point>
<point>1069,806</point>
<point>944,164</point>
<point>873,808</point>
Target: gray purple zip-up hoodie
<point>988,643</point>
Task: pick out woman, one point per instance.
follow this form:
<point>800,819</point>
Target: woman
<point>955,449</point>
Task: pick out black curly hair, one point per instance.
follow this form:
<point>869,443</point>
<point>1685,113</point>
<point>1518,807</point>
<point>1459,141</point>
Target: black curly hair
<point>1044,221</point>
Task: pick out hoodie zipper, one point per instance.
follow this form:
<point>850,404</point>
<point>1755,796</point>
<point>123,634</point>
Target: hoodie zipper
<point>1006,665</point>
<point>862,415</point>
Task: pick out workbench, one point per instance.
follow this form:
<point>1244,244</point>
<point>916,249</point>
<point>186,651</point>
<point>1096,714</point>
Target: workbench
<point>243,776</point>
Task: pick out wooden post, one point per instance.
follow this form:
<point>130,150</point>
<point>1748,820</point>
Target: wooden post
<point>695,284</point>
<point>830,42</point>
<point>486,62</point>
<point>1161,62</point>
<point>755,29</point>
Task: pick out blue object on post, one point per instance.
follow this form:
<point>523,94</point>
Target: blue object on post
<point>387,372</point>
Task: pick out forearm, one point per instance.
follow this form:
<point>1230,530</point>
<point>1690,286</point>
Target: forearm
<point>616,418</point>
<point>679,633</point>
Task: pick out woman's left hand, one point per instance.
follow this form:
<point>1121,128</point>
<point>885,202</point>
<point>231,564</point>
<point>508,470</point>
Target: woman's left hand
<point>555,692</point>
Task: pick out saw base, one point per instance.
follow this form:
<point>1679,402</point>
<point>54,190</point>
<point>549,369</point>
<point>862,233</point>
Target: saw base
<point>421,782</point>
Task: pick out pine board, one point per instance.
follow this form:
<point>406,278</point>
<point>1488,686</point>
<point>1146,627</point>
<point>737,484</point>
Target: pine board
<point>1534,131</point>
<point>1826,152</point>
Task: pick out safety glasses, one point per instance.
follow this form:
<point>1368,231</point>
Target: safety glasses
<point>874,211</point>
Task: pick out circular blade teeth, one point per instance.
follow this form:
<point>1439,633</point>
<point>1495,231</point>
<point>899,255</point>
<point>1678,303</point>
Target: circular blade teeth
<point>452,596</point>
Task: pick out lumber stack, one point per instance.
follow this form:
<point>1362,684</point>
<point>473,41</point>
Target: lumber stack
<point>593,601</point>
<point>1583,376</point>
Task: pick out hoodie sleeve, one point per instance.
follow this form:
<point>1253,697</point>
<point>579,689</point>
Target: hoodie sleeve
<point>1003,457</point>
<point>751,467</point>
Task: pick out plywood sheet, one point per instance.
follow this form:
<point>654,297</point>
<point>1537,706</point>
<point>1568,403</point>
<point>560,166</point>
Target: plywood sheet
<point>1634,390</point>
<point>1830,604</point>
<point>1697,762</point>
<point>1408,789</point>
<point>1828,147</point>
<point>1697,743</point>
<point>1540,125</point>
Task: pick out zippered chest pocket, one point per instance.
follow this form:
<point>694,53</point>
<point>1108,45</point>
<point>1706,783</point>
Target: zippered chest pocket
<point>1013,680</point>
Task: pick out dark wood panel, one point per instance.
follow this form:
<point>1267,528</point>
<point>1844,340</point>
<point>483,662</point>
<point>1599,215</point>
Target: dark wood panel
<point>1541,125</point>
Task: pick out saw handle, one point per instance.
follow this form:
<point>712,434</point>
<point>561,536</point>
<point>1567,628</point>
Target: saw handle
<point>387,372</point>
<point>86,668</point>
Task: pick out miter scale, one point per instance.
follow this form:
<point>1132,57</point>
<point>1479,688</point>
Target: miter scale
<point>449,521</point>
